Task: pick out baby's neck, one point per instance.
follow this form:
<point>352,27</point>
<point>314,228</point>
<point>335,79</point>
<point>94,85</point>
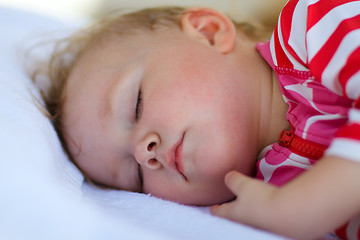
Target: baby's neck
<point>273,119</point>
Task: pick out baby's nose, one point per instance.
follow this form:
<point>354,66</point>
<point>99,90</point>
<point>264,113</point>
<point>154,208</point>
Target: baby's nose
<point>145,151</point>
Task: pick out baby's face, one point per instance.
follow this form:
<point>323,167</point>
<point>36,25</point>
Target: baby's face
<point>167,117</point>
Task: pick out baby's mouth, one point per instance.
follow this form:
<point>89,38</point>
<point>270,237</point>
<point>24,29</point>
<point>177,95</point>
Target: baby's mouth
<point>178,157</point>
<point>175,157</point>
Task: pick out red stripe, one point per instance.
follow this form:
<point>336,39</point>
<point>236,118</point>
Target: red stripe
<point>351,131</point>
<point>321,8</point>
<point>351,67</point>
<point>286,23</point>
<point>341,232</point>
<point>324,55</point>
<point>357,103</point>
<point>281,58</point>
<point>286,18</point>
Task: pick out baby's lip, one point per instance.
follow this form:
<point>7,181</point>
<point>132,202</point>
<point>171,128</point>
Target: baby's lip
<point>178,156</point>
<point>175,157</point>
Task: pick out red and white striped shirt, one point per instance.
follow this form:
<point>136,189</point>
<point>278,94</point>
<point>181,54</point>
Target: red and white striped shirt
<point>315,53</point>
<point>323,37</point>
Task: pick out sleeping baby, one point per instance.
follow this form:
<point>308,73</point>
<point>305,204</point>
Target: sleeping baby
<point>172,101</point>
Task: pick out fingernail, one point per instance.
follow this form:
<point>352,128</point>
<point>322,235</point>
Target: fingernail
<point>213,208</point>
<point>228,175</point>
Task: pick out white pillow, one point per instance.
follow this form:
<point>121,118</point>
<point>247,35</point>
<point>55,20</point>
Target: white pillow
<point>37,181</point>
<point>27,137</point>
<point>42,195</point>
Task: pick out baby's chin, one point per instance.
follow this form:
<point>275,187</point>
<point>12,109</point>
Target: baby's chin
<point>199,198</point>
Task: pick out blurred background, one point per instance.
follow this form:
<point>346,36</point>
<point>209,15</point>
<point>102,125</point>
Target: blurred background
<point>265,11</point>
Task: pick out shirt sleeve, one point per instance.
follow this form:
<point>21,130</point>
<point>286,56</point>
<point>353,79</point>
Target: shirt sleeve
<point>323,37</point>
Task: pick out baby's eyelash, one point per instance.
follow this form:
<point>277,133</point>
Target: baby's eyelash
<point>138,106</point>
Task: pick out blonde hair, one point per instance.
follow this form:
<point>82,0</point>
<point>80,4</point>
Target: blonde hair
<point>68,51</point>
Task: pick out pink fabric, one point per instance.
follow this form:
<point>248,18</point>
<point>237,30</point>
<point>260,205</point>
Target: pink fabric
<point>315,112</point>
<point>318,70</point>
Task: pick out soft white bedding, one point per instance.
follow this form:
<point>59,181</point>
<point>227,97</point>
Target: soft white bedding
<point>43,195</point>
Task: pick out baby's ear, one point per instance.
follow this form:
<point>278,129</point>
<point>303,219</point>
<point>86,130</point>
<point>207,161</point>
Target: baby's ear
<point>210,27</point>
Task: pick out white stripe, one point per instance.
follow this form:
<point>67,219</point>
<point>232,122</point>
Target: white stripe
<point>353,86</point>
<point>352,229</point>
<point>272,42</point>
<point>300,161</point>
<point>321,31</point>
<point>345,148</point>
<point>330,75</point>
<point>307,93</point>
<point>272,51</point>
<point>311,120</point>
<point>302,89</point>
<point>267,170</point>
<point>311,2</point>
<point>354,116</point>
<point>263,152</point>
<point>298,30</point>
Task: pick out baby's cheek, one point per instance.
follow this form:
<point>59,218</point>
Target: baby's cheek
<point>216,163</point>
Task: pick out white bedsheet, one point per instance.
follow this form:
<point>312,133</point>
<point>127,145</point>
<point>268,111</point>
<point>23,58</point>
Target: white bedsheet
<point>43,195</point>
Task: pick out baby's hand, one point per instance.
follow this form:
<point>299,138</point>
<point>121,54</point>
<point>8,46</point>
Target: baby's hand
<point>327,195</point>
<point>252,205</point>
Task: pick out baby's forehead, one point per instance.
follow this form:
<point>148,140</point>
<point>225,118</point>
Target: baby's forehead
<point>127,47</point>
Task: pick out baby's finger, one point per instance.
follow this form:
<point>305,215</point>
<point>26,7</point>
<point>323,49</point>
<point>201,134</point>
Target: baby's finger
<point>225,210</point>
<point>235,181</point>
